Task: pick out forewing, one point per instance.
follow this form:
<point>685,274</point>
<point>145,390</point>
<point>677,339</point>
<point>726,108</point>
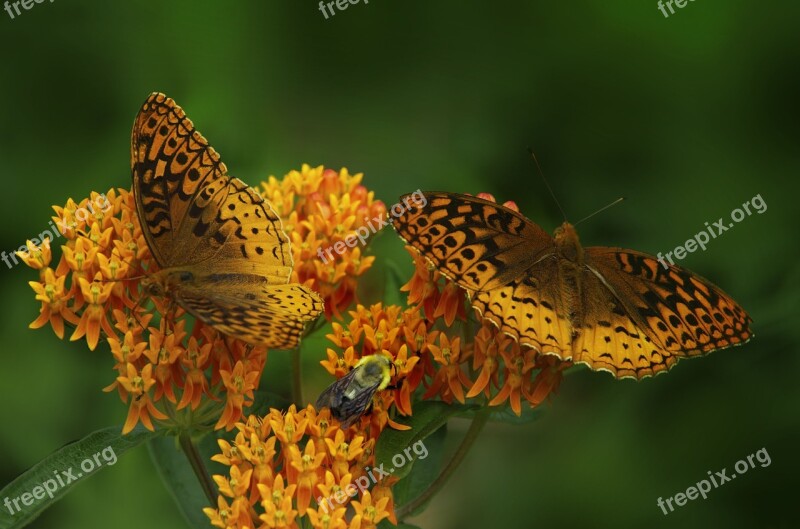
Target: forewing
<point>478,244</point>
<point>190,209</point>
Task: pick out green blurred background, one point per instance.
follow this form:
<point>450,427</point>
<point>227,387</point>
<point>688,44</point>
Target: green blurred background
<point>687,117</point>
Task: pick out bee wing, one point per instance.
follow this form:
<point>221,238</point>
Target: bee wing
<point>350,410</point>
<point>332,396</point>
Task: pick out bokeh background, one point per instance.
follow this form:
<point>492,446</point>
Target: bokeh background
<point>687,117</point>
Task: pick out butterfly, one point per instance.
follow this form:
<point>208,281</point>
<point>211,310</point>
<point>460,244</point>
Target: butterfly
<point>221,249</point>
<point>611,309</point>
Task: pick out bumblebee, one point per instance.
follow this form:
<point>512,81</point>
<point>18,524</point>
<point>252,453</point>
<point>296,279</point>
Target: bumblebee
<point>351,396</point>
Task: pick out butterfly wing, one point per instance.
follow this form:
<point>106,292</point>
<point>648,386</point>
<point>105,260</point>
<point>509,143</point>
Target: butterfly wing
<point>270,315</point>
<point>640,318</point>
<point>530,309</point>
<point>193,212</point>
<point>476,243</point>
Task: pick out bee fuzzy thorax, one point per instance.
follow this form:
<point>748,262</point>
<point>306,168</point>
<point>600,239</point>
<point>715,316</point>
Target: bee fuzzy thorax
<point>373,367</point>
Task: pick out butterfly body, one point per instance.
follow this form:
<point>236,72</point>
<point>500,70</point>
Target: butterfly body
<point>612,309</point>
<point>221,249</point>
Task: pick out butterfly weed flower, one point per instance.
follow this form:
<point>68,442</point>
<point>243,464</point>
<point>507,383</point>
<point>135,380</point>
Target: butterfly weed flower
<point>55,302</point>
<point>96,287</point>
<point>323,209</point>
<point>382,329</point>
<point>280,474</point>
<point>450,379</point>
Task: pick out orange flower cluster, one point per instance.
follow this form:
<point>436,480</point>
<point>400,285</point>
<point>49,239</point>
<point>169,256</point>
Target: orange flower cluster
<point>96,287</point>
<point>163,368</point>
<point>320,208</point>
<point>280,463</point>
<point>500,370</point>
<point>402,335</point>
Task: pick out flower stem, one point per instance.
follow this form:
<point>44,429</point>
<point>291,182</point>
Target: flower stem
<point>478,422</point>
<point>199,468</point>
<point>297,378</point>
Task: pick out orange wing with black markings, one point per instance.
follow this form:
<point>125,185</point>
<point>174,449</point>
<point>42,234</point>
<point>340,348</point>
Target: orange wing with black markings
<point>614,310</point>
<point>223,252</point>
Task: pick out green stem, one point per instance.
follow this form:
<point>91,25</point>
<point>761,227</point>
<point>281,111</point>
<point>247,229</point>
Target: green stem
<point>297,378</point>
<point>478,422</point>
<point>199,468</point>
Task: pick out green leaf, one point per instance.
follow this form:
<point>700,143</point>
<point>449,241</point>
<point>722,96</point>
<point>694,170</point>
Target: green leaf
<point>54,476</point>
<point>428,417</point>
<point>386,524</point>
<point>506,414</point>
<point>393,280</point>
<point>424,472</point>
<point>264,400</point>
<point>179,478</point>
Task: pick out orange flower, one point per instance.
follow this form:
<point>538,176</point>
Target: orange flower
<point>237,485</point>
<point>450,379</point>
<point>343,453</point>
<point>235,514</point>
<point>141,407</point>
<point>127,351</point>
<point>323,209</point>
<point>516,378</point>
<point>290,427</point>
<point>547,380</point>
<point>451,304</point>
<point>307,467</point>
<point>277,491</point>
<point>423,287</point>
<point>369,513</point>
<point>240,385</point>
<point>37,257</point>
<point>488,343</point>
<point>54,300</point>
<point>196,361</point>
<point>334,490</point>
<point>94,316</point>
<point>324,519</point>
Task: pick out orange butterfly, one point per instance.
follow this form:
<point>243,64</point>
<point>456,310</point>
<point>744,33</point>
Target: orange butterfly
<point>611,309</point>
<point>223,254</point>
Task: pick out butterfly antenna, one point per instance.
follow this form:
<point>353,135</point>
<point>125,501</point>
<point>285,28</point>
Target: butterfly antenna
<point>617,201</point>
<point>546,183</point>
<point>139,303</point>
